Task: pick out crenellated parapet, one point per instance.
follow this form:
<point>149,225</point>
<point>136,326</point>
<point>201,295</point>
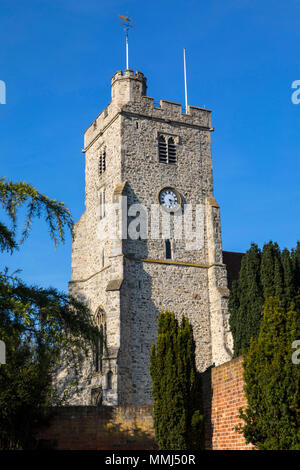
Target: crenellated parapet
<point>129,97</point>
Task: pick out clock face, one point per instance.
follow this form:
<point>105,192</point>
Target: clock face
<point>169,199</point>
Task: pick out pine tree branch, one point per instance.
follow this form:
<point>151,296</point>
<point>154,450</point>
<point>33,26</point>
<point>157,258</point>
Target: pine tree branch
<point>7,239</point>
<point>20,194</point>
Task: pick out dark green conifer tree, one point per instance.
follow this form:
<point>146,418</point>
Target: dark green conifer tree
<point>278,278</point>
<point>295,256</point>
<point>296,262</point>
<point>272,382</point>
<point>246,301</point>
<point>270,254</point>
<point>178,419</point>
<point>289,286</point>
<point>263,274</point>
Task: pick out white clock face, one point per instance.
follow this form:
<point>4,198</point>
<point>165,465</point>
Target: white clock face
<point>169,199</point>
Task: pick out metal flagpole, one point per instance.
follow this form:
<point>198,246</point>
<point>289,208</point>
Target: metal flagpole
<point>127,23</point>
<point>127,58</point>
<point>185,84</point>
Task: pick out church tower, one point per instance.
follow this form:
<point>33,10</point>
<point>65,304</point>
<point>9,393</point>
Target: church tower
<point>148,167</point>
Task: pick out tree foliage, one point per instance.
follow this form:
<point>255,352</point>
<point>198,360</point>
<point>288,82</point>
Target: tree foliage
<point>272,382</point>
<point>178,419</point>
<point>20,194</point>
<point>35,323</point>
<point>264,273</point>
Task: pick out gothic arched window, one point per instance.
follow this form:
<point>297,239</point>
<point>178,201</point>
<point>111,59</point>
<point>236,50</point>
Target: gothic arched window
<point>162,149</point>
<point>171,151</point>
<point>99,347</point>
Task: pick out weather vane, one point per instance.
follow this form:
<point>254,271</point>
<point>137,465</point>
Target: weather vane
<point>127,23</point>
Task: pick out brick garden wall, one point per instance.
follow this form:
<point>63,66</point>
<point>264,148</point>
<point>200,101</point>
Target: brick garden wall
<point>131,427</point>
<point>223,395</point>
<point>95,428</point>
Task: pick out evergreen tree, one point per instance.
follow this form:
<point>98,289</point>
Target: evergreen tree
<point>295,256</point>
<point>289,281</point>
<point>246,301</point>
<point>263,274</point>
<point>178,419</point>
<point>270,257</point>
<point>35,323</point>
<point>278,278</point>
<point>272,382</point>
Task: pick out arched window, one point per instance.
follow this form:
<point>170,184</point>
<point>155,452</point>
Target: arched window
<point>168,249</point>
<point>162,149</point>
<point>99,347</point>
<point>109,377</point>
<point>171,151</point>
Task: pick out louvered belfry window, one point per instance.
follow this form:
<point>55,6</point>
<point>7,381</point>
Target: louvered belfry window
<point>171,151</point>
<point>102,163</point>
<point>162,149</point>
<point>166,150</point>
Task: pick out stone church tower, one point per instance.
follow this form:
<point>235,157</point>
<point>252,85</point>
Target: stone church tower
<point>157,157</point>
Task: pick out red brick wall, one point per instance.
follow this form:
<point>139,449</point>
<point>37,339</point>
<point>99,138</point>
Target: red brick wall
<point>131,427</point>
<point>223,395</point>
<point>106,428</point>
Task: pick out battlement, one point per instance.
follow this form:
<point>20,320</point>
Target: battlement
<point>127,86</point>
<point>129,95</point>
<point>172,107</point>
<point>128,73</point>
<point>170,111</point>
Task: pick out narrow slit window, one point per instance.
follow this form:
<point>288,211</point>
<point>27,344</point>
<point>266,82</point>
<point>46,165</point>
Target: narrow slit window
<point>99,347</point>
<point>168,249</point>
<point>171,151</point>
<point>109,380</point>
<point>162,149</point>
<point>102,204</point>
<point>99,351</point>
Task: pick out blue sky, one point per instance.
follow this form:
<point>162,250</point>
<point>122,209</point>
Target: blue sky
<point>57,58</point>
